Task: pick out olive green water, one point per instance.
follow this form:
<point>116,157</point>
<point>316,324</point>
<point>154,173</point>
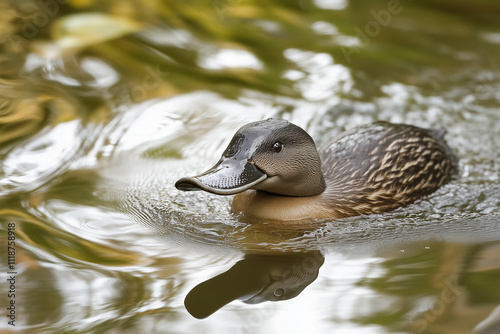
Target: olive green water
<point>104,105</point>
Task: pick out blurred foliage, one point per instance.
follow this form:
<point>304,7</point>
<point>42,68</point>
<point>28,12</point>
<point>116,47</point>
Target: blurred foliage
<point>64,245</point>
<point>157,47</point>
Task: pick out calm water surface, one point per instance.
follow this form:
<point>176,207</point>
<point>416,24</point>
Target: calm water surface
<point>104,105</point>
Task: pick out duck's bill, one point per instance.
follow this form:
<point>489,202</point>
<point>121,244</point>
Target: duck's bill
<point>239,282</point>
<point>227,177</point>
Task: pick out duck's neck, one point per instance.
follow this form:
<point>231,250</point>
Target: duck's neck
<point>258,206</point>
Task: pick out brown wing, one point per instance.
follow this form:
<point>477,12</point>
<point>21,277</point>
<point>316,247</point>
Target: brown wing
<point>382,166</point>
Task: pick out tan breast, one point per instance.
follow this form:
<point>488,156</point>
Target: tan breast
<point>262,206</point>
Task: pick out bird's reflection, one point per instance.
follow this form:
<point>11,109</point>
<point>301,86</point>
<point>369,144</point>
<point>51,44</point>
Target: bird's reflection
<point>255,279</point>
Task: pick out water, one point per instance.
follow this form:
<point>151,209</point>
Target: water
<point>101,113</point>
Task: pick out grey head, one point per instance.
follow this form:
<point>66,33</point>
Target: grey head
<point>255,279</point>
<point>272,155</point>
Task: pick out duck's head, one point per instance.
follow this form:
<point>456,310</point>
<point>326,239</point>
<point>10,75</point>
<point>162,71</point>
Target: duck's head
<point>272,155</point>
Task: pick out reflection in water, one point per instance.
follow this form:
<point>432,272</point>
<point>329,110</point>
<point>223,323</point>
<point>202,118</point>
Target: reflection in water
<point>437,289</point>
<point>255,279</point>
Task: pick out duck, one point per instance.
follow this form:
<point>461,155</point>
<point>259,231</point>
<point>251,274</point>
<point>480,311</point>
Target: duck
<point>254,279</point>
<point>277,174</point>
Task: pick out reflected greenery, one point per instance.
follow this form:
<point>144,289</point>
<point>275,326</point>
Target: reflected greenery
<point>441,273</point>
<point>67,247</point>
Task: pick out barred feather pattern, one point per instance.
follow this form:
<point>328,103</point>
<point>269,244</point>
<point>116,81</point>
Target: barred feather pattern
<point>382,166</point>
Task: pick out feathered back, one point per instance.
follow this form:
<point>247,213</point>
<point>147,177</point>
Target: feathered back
<point>381,166</point>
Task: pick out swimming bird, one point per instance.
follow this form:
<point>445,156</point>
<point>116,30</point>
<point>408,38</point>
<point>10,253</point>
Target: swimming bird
<point>277,173</point>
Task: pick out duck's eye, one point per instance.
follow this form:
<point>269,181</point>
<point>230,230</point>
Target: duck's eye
<point>277,147</point>
<point>279,292</point>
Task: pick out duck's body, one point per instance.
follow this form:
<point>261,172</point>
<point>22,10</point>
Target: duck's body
<point>371,169</point>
